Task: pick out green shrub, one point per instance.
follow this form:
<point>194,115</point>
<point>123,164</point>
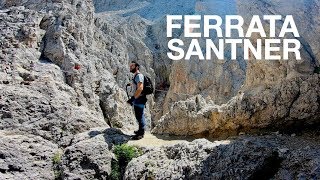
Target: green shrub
<point>124,154</point>
<point>56,161</point>
<point>317,70</point>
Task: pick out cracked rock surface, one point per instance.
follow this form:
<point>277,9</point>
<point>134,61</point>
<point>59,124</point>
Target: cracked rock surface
<point>258,157</point>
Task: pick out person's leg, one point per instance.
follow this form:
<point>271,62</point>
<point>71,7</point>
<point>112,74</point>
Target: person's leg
<point>139,113</point>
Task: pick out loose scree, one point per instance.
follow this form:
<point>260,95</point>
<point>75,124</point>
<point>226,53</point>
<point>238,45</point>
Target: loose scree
<point>272,44</point>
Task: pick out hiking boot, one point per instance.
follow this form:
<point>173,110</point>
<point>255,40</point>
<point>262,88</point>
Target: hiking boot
<point>139,132</point>
<point>137,137</point>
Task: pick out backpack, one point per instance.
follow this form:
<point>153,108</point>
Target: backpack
<point>147,85</point>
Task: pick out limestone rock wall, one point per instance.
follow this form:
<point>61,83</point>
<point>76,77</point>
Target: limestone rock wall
<point>61,74</point>
<point>291,103</point>
<point>245,95</point>
<point>42,43</point>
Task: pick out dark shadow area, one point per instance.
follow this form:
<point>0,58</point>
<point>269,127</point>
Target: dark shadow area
<point>205,135</point>
<point>298,127</point>
<point>45,60</point>
<point>268,169</point>
<point>242,159</point>
<point>112,136</point>
<point>103,108</point>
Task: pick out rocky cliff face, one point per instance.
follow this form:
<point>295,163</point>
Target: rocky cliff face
<point>244,95</point>
<point>42,43</point>
<point>239,95</point>
<point>62,73</point>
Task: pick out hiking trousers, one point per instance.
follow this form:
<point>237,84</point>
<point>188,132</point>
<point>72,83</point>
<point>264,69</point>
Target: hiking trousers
<point>139,113</point>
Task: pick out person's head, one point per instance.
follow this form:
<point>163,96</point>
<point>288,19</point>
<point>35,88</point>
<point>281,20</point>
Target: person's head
<point>134,67</point>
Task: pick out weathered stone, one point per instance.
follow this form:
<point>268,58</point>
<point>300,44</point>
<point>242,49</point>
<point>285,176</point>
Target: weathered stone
<point>89,156</point>
<point>243,158</point>
<point>89,159</point>
<point>53,38</point>
<point>25,156</point>
<point>284,105</point>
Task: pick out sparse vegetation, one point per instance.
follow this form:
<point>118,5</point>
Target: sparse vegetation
<point>56,161</point>
<point>124,154</point>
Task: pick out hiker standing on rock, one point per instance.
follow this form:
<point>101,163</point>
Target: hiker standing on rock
<point>138,100</point>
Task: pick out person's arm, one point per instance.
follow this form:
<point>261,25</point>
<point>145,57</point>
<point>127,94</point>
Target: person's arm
<point>139,90</point>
